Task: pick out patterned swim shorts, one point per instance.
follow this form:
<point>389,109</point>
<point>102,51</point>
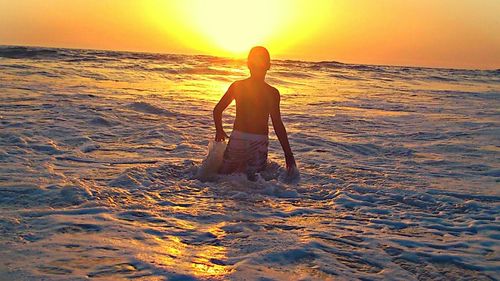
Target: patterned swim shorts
<point>245,153</point>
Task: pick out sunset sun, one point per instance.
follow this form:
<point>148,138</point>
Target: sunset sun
<point>234,26</point>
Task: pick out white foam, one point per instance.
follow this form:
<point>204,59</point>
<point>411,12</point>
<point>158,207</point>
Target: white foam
<point>398,173</point>
<point>211,164</point>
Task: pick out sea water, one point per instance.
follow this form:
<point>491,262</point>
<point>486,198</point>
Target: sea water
<point>99,152</point>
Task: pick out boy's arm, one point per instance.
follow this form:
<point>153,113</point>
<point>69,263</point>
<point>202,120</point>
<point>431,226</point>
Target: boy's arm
<point>279,129</point>
<point>224,102</point>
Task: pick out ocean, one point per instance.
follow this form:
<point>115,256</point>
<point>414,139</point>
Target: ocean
<point>400,171</point>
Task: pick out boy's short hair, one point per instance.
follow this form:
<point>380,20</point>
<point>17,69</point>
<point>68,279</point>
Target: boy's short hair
<point>259,58</point>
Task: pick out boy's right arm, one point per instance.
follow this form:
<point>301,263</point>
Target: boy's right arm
<point>224,102</point>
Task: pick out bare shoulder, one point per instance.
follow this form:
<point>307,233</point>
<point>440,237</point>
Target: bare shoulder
<point>237,84</point>
<point>234,88</point>
<point>273,91</point>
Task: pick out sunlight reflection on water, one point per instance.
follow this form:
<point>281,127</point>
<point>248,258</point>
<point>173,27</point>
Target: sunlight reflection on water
<point>399,172</point>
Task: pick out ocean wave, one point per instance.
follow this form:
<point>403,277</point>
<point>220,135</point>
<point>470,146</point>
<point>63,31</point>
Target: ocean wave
<point>15,52</point>
<point>292,74</point>
<point>206,71</point>
<point>441,78</point>
<point>145,107</point>
<point>332,64</point>
<point>345,77</point>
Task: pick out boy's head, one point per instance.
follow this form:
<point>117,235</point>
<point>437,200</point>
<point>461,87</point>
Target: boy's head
<point>259,60</point>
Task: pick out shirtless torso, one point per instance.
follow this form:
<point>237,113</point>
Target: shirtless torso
<point>254,101</point>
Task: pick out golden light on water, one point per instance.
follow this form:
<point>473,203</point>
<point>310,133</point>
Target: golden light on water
<point>198,259</point>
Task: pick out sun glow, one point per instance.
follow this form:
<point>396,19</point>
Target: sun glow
<point>424,33</point>
<point>232,27</point>
<point>237,25</point>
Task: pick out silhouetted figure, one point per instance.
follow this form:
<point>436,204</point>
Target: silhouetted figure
<point>256,100</point>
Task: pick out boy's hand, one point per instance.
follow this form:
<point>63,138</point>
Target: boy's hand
<point>221,136</point>
<point>290,164</point>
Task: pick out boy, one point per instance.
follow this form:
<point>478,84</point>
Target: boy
<point>255,101</point>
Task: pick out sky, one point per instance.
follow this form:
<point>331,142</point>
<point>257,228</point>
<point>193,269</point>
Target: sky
<point>434,33</point>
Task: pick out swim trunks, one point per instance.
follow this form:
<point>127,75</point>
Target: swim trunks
<point>245,153</point>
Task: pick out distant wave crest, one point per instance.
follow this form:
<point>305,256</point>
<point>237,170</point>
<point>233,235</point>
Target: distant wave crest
<point>26,52</point>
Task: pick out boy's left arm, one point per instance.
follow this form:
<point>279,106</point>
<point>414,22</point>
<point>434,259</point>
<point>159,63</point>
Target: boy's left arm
<point>279,129</point>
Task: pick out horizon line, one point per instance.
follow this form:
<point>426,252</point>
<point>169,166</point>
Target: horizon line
<point>279,59</point>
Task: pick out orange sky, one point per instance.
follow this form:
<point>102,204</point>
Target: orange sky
<point>438,33</point>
